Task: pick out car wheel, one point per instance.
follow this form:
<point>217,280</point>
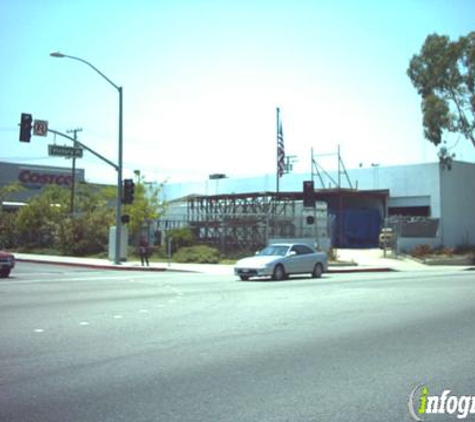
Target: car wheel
<point>279,273</point>
<point>5,273</point>
<point>244,277</point>
<point>317,270</point>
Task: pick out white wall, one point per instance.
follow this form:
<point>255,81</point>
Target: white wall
<point>410,185</point>
<point>403,181</point>
<point>458,204</point>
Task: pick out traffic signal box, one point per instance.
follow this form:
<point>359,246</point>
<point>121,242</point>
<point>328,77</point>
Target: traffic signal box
<point>308,194</point>
<point>25,127</point>
<point>128,191</point>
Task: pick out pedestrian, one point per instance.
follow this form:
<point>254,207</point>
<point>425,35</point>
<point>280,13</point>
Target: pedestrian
<point>143,251</point>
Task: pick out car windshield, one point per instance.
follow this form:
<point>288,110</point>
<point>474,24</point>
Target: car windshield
<point>274,250</point>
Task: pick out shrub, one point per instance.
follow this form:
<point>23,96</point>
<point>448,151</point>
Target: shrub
<point>444,251</point>
<point>332,255</point>
<point>180,238</point>
<point>465,250</point>
<point>198,254</point>
<point>421,251</point>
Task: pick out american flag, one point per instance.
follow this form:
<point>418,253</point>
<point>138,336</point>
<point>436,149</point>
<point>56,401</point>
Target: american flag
<point>280,149</point>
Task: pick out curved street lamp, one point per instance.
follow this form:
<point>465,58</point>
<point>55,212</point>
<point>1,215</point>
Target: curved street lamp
<point>118,220</point>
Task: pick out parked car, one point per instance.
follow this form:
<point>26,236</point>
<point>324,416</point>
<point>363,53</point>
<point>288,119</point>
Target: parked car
<point>7,262</point>
<point>281,260</point>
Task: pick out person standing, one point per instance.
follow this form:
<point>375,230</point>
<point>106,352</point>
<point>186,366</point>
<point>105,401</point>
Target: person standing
<point>143,251</point>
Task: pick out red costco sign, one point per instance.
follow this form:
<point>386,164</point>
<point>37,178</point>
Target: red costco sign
<point>32,177</point>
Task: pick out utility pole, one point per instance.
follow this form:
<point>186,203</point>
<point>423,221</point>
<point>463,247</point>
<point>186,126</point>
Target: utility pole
<point>73,171</point>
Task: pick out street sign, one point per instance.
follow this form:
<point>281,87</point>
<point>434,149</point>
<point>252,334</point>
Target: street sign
<point>40,128</point>
<point>64,151</point>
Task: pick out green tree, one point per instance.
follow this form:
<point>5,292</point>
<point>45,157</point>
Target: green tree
<point>444,75</point>
<point>87,231</point>
<point>8,231</point>
<point>146,207</point>
<point>181,237</point>
<point>46,221</point>
<point>39,221</point>
<point>7,191</point>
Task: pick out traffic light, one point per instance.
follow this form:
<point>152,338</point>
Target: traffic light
<point>128,191</point>
<point>25,127</point>
<point>308,194</point>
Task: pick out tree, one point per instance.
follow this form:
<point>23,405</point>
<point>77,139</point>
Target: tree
<point>46,221</point>
<point>180,237</point>
<point>38,222</point>
<point>146,206</point>
<point>8,232</point>
<point>444,75</point>
<point>87,231</point>
<point>7,191</point>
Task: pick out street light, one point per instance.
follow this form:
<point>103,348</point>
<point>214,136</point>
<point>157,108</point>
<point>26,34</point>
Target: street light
<point>118,221</point>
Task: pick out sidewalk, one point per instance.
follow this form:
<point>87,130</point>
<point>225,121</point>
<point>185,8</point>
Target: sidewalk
<point>134,265</point>
<point>354,260</point>
<point>374,258</point>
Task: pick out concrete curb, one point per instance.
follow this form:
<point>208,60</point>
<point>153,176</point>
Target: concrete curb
<point>97,266</point>
<point>360,270</point>
<point>128,267</point>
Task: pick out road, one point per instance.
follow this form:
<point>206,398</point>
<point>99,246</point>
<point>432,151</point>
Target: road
<point>85,345</point>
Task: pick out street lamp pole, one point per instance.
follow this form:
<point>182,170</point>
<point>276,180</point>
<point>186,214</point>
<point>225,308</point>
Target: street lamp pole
<point>118,210</point>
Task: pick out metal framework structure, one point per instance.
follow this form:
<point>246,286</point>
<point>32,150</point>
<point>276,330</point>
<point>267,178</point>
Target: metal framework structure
<point>244,221</point>
<point>318,172</point>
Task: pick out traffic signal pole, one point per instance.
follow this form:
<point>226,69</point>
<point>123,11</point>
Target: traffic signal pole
<point>118,167</point>
<point>73,170</point>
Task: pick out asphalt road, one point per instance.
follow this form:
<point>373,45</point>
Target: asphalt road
<point>85,345</point>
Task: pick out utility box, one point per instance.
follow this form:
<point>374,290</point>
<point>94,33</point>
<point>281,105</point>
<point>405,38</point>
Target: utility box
<point>124,234</point>
<point>387,238</point>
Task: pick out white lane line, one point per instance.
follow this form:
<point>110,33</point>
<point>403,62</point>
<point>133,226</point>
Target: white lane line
<point>39,330</point>
<point>84,323</point>
<point>118,317</point>
<point>143,311</point>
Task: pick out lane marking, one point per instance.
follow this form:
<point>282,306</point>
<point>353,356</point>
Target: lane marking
<point>117,316</point>
<point>84,323</point>
<point>143,311</point>
<point>39,330</point>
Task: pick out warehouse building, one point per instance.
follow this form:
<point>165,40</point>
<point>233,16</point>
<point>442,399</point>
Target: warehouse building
<point>33,178</point>
<point>431,204</point>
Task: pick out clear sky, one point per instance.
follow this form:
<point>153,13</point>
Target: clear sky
<point>202,80</point>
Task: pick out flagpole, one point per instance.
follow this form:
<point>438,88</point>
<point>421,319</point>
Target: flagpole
<point>277,152</point>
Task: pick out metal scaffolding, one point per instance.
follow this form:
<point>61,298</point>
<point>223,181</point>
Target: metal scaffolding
<point>245,221</point>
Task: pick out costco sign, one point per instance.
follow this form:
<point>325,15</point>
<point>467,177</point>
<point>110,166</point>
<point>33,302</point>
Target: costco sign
<point>37,178</point>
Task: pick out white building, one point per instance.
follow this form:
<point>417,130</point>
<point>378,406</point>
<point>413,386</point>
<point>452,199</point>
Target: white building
<point>425,190</point>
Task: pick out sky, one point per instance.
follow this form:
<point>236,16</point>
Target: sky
<point>202,80</point>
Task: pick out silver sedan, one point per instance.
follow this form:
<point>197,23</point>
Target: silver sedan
<point>281,260</point>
